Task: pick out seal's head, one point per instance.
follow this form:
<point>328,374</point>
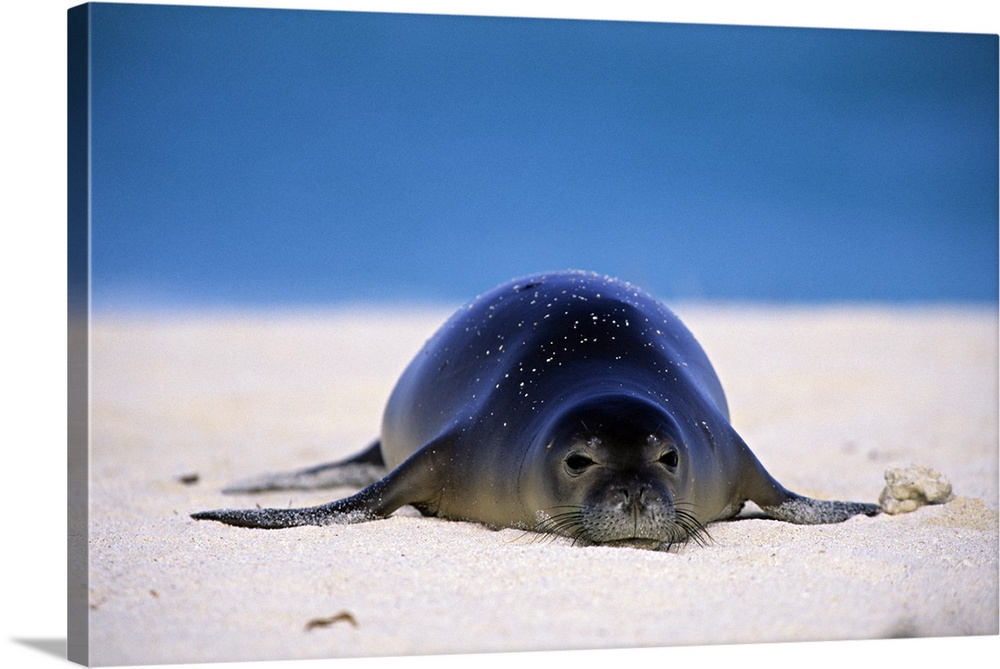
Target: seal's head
<point>614,473</point>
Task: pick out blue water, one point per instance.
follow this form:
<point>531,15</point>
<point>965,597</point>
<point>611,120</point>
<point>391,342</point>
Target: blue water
<point>271,157</point>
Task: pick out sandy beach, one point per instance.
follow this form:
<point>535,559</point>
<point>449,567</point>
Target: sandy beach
<point>827,397</point>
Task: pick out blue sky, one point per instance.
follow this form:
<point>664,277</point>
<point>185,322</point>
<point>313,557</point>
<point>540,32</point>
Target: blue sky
<point>274,157</point>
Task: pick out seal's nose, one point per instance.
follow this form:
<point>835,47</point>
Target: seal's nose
<point>633,495</point>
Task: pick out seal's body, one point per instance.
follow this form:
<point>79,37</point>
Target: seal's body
<point>567,403</point>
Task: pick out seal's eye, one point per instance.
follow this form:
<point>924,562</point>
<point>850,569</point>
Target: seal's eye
<point>669,459</point>
<point>578,462</point>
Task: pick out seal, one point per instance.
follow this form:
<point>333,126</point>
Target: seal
<point>566,403</point>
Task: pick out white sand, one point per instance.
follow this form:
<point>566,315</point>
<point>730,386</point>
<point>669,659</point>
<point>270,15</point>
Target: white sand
<point>828,398</point>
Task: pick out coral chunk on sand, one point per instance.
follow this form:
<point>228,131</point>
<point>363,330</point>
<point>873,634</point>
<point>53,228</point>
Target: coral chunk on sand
<point>908,488</point>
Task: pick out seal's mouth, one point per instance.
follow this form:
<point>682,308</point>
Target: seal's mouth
<point>634,542</point>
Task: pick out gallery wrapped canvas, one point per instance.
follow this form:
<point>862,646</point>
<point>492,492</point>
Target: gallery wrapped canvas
<point>765,412</point>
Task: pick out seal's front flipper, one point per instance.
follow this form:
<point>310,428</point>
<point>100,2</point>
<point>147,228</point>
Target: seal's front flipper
<point>357,471</point>
<point>410,483</point>
<point>809,511</point>
<point>762,489</point>
<point>357,508</point>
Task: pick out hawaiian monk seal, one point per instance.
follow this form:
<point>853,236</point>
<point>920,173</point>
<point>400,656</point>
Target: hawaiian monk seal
<point>566,403</point>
